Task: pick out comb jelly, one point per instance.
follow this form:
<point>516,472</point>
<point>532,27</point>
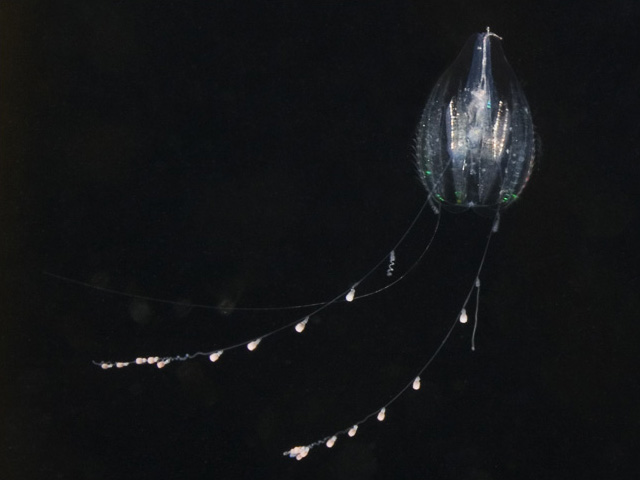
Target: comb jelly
<point>475,144</point>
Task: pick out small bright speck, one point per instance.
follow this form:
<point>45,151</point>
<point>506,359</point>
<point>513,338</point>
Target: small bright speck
<point>416,384</point>
<point>350,296</point>
<point>300,326</point>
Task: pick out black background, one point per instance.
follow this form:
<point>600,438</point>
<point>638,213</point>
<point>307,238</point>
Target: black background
<point>260,153</point>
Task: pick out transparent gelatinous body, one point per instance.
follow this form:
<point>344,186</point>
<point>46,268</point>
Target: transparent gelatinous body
<point>475,144</point>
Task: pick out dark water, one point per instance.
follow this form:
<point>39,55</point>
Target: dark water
<point>262,155</point>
